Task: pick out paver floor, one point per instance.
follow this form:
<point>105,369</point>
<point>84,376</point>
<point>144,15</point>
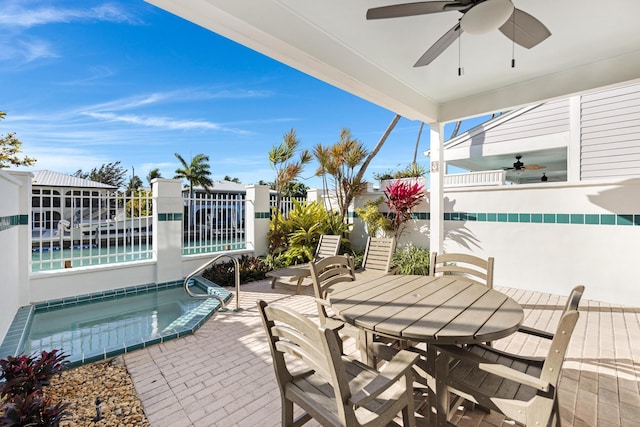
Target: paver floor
<point>222,375</point>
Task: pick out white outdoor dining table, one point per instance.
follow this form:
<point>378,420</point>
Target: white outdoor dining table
<point>438,310</point>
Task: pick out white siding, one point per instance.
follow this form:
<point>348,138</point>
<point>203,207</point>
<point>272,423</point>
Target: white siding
<point>610,140</point>
<point>546,119</point>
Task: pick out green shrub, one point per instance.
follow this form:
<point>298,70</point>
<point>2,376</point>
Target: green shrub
<point>223,274</point>
<point>412,260</point>
<point>298,235</point>
<point>374,219</point>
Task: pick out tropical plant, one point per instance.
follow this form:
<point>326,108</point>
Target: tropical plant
<point>401,198</point>
<point>412,260</point>
<point>109,173</point>
<point>10,146</point>
<point>25,374</point>
<point>281,159</point>
<point>139,204</point>
<point>338,164</point>
<point>23,379</point>
<point>33,410</point>
<point>153,174</point>
<point>299,233</point>
<point>412,170</point>
<point>251,269</point>
<point>197,172</point>
<point>372,217</point>
<point>134,184</point>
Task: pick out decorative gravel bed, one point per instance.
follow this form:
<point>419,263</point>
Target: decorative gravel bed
<point>110,381</point>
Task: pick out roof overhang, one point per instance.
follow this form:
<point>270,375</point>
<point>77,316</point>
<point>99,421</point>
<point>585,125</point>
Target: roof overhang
<point>592,45</point>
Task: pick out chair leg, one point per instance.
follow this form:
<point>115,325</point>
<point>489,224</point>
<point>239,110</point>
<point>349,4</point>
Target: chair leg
<point>287,412</point>
<point>273,283</point>
<point>299,285</point>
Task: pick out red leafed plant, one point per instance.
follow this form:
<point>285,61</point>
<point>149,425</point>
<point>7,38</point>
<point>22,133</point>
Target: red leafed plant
<point>23,378</point>
<point>401,198</point>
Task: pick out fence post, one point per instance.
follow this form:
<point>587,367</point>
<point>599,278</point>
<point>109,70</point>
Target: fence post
<point>168,213</point>
<point>257,213</point>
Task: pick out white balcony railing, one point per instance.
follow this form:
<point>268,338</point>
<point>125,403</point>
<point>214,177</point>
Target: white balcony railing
<point>475,179</point>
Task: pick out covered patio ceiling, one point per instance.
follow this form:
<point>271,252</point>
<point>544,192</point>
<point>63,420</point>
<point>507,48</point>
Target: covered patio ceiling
<point>593,44</point>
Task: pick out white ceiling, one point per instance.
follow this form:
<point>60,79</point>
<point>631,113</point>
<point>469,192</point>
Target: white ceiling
<point>594,43</point>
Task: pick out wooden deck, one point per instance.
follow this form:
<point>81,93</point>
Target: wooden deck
<point>222,375</point>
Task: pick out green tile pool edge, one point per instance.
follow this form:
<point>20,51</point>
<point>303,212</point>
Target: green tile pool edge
<point>14,340</point>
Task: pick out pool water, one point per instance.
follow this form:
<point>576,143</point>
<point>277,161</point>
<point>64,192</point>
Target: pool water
<point>96,328</point>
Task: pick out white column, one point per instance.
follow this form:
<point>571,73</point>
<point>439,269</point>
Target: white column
<point>257,213</point>
<point>168,212</point>
<point>436,190</point>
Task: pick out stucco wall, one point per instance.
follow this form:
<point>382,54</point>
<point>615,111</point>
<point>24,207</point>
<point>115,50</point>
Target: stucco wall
<point>10,300</point>
<point>587,234</point>
<point>544,237</point>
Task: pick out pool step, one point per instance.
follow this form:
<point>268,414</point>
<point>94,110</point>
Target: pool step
<point>207,306</point>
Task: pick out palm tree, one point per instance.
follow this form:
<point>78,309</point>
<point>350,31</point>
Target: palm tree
<point>198,172</point>
<point>153,173</point>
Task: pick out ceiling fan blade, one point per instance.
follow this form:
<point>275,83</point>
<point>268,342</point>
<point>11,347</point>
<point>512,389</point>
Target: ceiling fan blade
<point>412,9</point>
<point>524,29</point>
<point>439,46</point>
<point>533,167</point>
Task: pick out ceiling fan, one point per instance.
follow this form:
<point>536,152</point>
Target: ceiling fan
<point>478,17</point>
<point>519,166</point>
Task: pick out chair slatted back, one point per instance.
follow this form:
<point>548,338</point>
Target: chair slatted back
<point>329,245</point>
<point>558,349</point>
<point>326,273</point>
<point>378,254</point>
<point>317,348</point>
<point>476,269</point>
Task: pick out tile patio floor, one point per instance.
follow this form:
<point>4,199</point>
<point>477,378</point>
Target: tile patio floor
<point>222,375</point>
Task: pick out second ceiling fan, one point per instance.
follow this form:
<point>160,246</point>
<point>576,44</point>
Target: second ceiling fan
<point>478,17</point>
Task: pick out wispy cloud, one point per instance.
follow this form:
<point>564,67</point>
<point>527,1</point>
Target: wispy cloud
<point>27,14</point>
<point>174,96</point>
<point>165,122</point>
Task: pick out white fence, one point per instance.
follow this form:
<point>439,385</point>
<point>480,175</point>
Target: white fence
<point>78,228</point>
<point>213,222</point>
<point>286,204</point>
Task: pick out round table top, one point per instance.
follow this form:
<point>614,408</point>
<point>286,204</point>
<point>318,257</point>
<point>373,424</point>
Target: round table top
<point>442,310</point>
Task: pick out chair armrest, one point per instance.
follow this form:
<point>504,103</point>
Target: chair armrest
<point>536,332</point>
<point>399,366</point>
<point>494,368</point>
<point>323,301</point>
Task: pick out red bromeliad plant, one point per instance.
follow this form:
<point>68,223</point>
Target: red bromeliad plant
<point>401,198</point>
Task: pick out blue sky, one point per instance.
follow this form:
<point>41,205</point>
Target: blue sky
<point>88,82</point>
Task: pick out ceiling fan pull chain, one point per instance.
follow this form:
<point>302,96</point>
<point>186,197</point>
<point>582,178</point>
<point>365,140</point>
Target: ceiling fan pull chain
<point>513,41</point>
<point>460,70</point>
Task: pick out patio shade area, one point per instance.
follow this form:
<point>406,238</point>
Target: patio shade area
<point>222,375</point>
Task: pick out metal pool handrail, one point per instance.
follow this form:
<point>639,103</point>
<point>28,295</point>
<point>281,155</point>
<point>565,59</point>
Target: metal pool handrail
<point>202,268</point>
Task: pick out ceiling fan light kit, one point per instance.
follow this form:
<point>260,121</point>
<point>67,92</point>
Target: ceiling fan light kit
<point>478,17</point>
<point>486,16</point>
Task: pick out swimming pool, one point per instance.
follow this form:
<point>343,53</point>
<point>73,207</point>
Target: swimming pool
<point>98,326</point>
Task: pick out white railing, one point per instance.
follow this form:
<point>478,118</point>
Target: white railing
<point>474,179</point>
<point>213,222</point>
<point>286,204</point>
<point>78,228</point>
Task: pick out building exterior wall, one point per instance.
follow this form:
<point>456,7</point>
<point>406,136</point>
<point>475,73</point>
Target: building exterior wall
<point>610,129</point>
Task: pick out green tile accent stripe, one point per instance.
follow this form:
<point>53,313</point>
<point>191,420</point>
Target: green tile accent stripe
<point>262,215</point>
<point>170,216</point>
<point>543,218</point>
<point>7,222</point>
